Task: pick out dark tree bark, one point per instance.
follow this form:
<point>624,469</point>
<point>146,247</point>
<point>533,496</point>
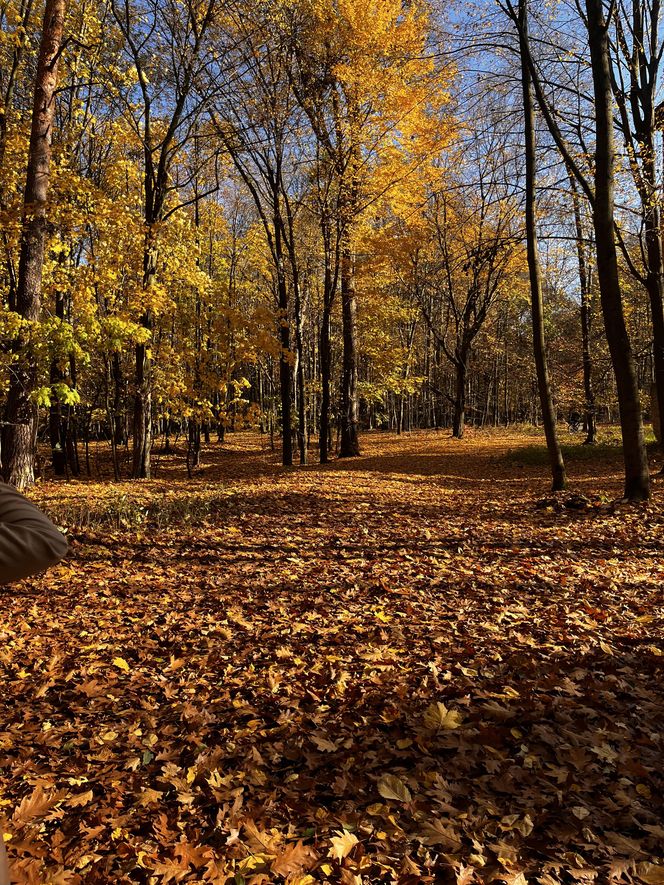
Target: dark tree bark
<point>539,345</point>
<point>301,392</point>
<point>56,419</point>
<point>290,236</point>
<point>459,418</point>
<point>637,480</point>
<point>350,443</point>
<point>194,447</point>
<point>325,363</point>
<point>602,200</point>
<point>119,423</point>
<point>635,86</point>
<point>285,367</point>
<point>18,436</point>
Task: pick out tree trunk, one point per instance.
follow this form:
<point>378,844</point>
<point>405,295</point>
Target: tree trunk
<point>143,372</point>
<point>301,389</point>
<point>325,372</point>
<point>586,319</point>
<point>142,429</point>
<point>458,421</point>
<point>285,371</point>
<point>56,422</point>
<point>18,436</point>
<point>329,286</point>
<point>637,480</point>
<point>638,118</point>
<point>194,451</point>
<point>350,444</point>
<point>539,345</point>
<point>655,287</point>
<point>119,429</point>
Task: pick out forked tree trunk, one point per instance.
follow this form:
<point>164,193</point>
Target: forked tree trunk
<point>539,346</point>
<point>19,433</point>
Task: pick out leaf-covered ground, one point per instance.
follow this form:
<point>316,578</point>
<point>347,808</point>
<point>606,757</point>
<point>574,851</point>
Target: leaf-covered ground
<point>395,669</point>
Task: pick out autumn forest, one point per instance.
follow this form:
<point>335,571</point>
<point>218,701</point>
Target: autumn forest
<point>332,338</point>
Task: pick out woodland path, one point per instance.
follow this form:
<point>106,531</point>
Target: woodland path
<point>392,669</point>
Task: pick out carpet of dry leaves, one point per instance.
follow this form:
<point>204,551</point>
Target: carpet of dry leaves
<point>396,669</point>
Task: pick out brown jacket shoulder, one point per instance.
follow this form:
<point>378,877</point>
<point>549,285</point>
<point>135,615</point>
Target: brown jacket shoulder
<point>29,542</point>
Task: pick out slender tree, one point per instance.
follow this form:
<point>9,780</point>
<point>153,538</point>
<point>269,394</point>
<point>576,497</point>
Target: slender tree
<point>637,50</point>
<point>536,304</point>
<point>600,192</point>
<point>585,288</point>
<point>259,133</point>
<point>153,33</point>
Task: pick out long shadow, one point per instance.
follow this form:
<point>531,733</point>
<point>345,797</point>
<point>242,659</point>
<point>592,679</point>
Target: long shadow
<point>309,725</point>
<point>551,763</point>
<point>579,750</point>
<point>552,767</point>
<point>506,528</point>
<point>555,767</point>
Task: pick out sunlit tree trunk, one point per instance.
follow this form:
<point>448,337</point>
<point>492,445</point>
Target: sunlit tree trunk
<point>349,442</point>
<point>586,318</point>
<point>56,420</point>
<point>143,373</point>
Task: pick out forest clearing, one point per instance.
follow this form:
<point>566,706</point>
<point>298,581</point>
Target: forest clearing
<point>331,442</point>
<point>405,667</point>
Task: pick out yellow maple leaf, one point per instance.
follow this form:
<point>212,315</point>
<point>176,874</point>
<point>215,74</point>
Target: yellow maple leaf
<point>342,844</point>
<point>438,716</point>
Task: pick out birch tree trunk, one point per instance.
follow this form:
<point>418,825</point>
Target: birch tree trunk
<point>586,318</point>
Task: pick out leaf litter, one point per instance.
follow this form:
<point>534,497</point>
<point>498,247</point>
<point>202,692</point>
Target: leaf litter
<point>393,669</point>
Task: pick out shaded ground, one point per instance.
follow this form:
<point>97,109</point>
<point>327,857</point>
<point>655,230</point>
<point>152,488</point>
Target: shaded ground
<point>392,669</point>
